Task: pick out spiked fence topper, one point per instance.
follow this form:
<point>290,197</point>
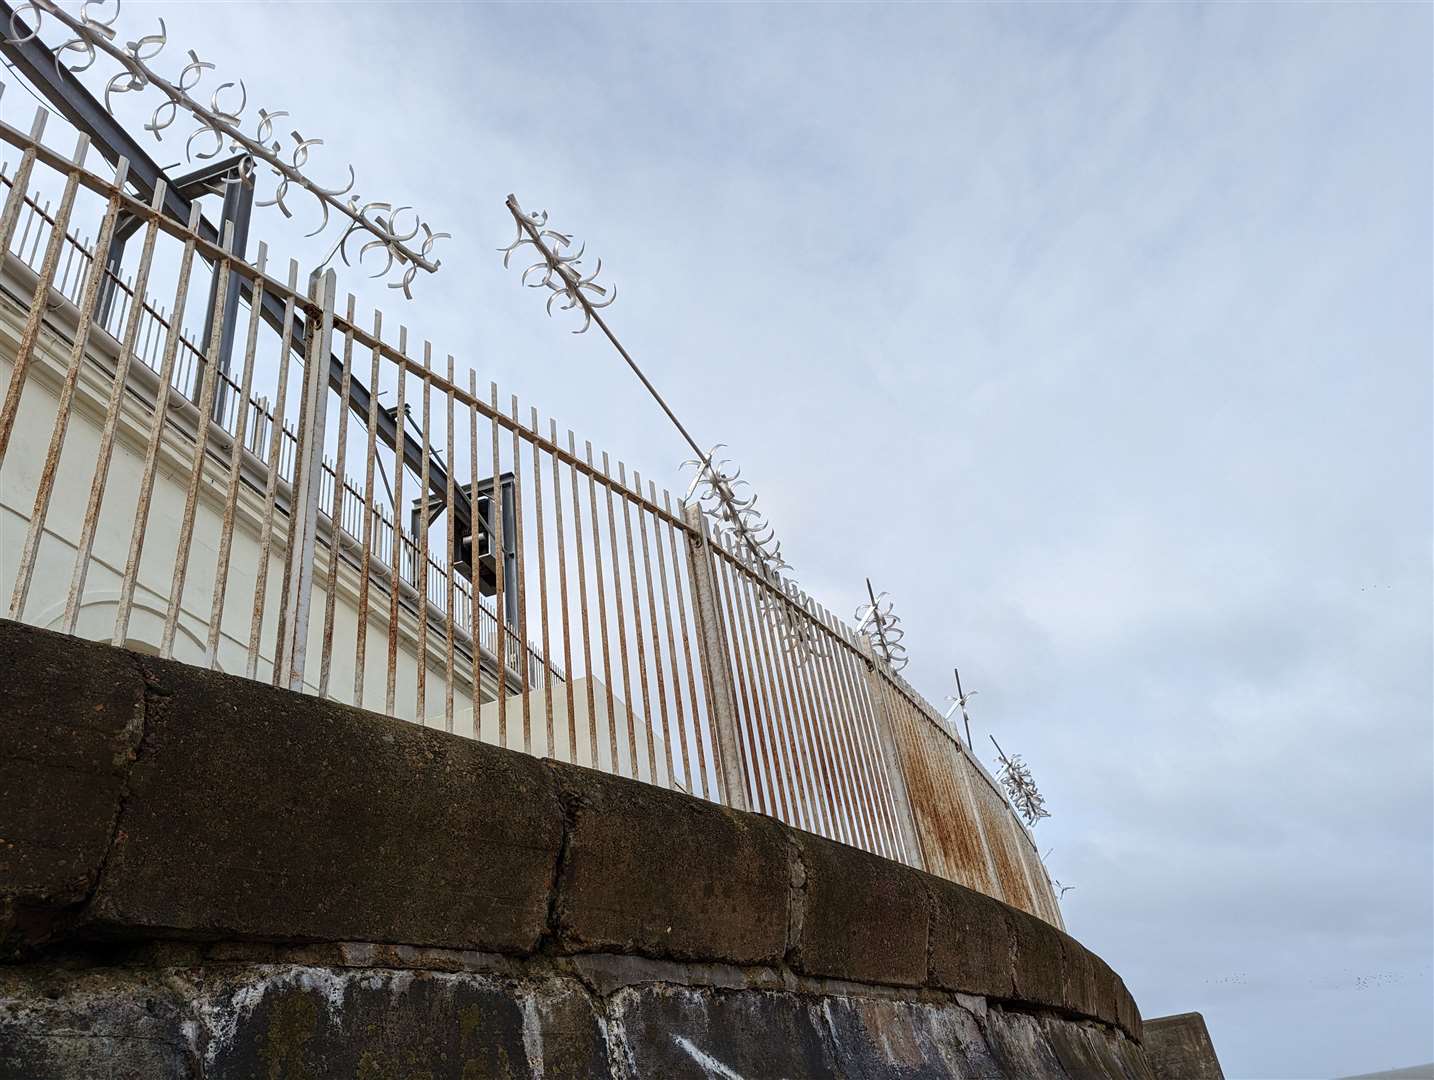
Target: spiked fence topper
<point>373,224</point>
<point>1020,786</point>
<point>882,626</point>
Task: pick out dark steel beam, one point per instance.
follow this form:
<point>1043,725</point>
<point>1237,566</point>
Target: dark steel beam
<point>70,98</point>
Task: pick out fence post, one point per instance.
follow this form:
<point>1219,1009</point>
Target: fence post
<point>304,492</point>
<point>891,756</point>
<point>712,653</point>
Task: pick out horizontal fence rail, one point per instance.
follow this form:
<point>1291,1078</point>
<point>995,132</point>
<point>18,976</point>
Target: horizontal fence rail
<point>232,508</point>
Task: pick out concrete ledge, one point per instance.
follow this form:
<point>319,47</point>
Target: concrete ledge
<point>657,873</point>
<point>1180,1048</point>
<point>253,812</point>
<point>209,808</point>
<point>861,917</point>
<point>71,724</point>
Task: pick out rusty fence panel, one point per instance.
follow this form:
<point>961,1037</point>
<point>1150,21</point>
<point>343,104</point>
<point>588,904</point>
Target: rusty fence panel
<point>446,554</point>
<point>967,829</point>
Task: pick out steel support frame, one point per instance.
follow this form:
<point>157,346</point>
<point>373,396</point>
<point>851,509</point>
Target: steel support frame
<point>71,100</point>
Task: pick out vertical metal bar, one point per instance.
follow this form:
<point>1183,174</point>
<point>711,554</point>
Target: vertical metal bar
<point>366,559</point>
<point>542,589</point>
<point>990,863</point>
<point>636,631</point>
<point>563,594</point>
<point>677,587</point>
<point>236,457</point>
<point>63,287</point>
<point>238,203</point>
<point>308,471</point>
<point>36,214</point>
<point>151,459</point>
<point>475,558</point>
<point>891,761</point>
<point>85,544</point>
<point>148,318</point>
<point>452,614</point>
<point>868,747</point>
<point>602,612</point>
<point>396,553</point>
<point>824,723</point>
<point>271,484</point>
<point>766,793</point>
<point>20,185</point>
<point>804,721</point>
<point>336,507</point>
<point>838,712</point>
<point>421,559</point>
<point>763,676</point>
<point>656,638</point>
<point>196,468</point>
<point>836,662</point>
<point>524,671</point>
<point>524,674</point>
<point>657,528</point>
<point>867,741</point>
<point>500,567</point>
<point>45,488</point>
<point>40,302</point>
<point>621,628</point>
<point>806,809</point>
<point>582,612</point>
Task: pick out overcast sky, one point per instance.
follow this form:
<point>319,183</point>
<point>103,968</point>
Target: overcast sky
<point>1099,336</point>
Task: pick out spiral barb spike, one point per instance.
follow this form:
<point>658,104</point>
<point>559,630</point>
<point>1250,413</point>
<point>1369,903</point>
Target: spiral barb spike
<point>878,621</point>
<point>794,618</point>
<point>959,701</point>
<point>218,127</point>
<point>1020,787</point>
<point>558,267</point>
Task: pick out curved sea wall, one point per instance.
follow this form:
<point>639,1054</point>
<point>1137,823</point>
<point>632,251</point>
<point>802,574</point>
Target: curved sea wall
<point>201,876</point>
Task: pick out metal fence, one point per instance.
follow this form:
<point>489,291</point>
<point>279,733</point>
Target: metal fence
<point>565,606</point>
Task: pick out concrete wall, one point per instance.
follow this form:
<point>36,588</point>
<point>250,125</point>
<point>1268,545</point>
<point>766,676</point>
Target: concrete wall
<point>1179,1048</point>
<point>206,877</point>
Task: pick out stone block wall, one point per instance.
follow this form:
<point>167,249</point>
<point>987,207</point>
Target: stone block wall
<point>201,876</point>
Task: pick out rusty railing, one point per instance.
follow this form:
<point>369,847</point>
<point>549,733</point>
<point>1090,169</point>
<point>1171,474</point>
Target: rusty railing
<point>478,571</point>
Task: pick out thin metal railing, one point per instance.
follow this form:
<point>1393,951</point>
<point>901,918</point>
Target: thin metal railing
<point>590,620</point>
<point>254,414</point>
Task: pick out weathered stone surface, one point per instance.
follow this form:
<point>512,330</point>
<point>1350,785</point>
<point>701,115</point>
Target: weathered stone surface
<point>1127,1012</point>
<point>1038,964</point>
<point>874,1039</point>
<point>970,941</point>
<point>686,1034</point>
<point>281,885</point>
<point>177,1016</point>
<point>1092,1053</point>
<point>62,1025</point>
<point>399,1025</point>
<point>1078,974</point>
<point>238,1022</point>
<point>256,812</point>
<point>72,717</point>
<point>1108,989</point>
<point>862,918</point>
<point>1179,1048</point>
<point>660,874</point>
<point>1020,1046</point>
